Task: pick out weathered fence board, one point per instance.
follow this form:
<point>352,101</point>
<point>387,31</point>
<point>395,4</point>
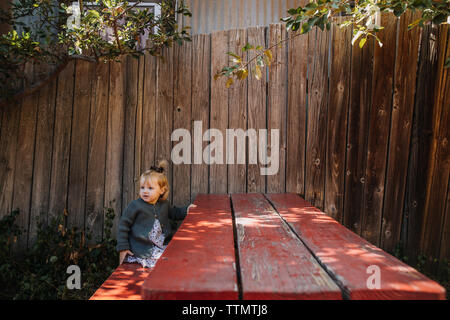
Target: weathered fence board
<point>276,105</point>
<point>79,144</point>
<point>218,182</point>
<point>95,191</point>
<point>149,113</point>
<point>42,159</point>
<point>115,142</point>
<point>237,118</point>
<point>337,121</point>
<point>358,124</point>
<point>379,123</point>
<point>317,117</point>
<point>296,114</point>
<point>400,132</point>
<point>182,110</point>
<point>256,112</point>
<point>61,141</point>
<point>421,135</point>
<point>164,110</point>
<point>10,124</point>
<point>23,175</point>
<point>201,87</point>
<point>131,101</point>
<point>438,179</point>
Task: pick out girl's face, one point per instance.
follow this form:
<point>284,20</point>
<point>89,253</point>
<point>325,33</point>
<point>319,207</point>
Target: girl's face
<point>150,190</point>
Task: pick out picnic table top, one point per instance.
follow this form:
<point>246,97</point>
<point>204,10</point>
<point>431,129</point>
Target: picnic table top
<point>267,246</point>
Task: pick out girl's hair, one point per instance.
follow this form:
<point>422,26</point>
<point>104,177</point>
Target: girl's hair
<point>159,173</point>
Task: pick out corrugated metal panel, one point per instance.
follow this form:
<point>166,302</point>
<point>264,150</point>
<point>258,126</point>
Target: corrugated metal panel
<point>215,15</point>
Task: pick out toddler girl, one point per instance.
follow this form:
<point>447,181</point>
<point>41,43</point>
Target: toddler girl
<point>145,224</point>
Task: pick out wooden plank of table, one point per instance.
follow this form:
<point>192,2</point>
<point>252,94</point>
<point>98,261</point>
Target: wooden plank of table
<point>347,256</point>
<point>199,262</point>
<point>123,284</point>
<point>274,263</point>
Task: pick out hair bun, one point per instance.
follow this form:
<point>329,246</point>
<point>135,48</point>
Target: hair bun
<point>163,164</point>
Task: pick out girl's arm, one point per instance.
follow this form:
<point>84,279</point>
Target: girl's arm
<point>179,213</point>
<point>125,223</point>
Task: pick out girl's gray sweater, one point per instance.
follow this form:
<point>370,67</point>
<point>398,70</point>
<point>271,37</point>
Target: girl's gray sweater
<point>137,222</point>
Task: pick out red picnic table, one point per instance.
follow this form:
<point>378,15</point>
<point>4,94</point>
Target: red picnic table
<point>267,246</point>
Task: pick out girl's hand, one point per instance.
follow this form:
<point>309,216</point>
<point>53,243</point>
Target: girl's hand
<point>123,254</point>
<point>191,206</point>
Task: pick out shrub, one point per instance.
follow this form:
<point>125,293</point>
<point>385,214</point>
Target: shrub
<point>40,272</point>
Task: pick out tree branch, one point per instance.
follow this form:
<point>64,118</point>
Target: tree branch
<point>32,89</point>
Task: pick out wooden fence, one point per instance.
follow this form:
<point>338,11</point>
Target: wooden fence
<point>363,133</point>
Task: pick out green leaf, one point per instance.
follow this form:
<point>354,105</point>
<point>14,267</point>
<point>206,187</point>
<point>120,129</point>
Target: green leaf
<point>305,28</point>
<point>247,47</point>
<point>362,42</point>
<point>233,55</point>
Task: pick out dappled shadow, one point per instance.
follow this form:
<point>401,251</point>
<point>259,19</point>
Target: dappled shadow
<point>124,284</point>
<point>348,256</point>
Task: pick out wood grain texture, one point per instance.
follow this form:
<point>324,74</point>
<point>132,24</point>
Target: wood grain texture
<point>61,141</point>
<point>439,172</point>
<point>400,132</point>
<point>199,262</point>
<point>23,175</point>
<point>237,119</point>
<point>182,109</point>
<point>337,121</point>
<point>277,104</point>
<point>380,115</point>
<point>131,65</point>
<point>445,237</point>
<point>115,142</point>
<point>138,148</point>
<point>317,117</point>
<point>42,159</point>
<point>149,113</point>
<point>296,114</point>
<point>201,87</point>
<point>95,190</point>
<point>358,129</point>
<point>164,110</point>
<point>348,256</point>
<point>274,263</point>
<point>256,113</point>
<point>218,182</point>
<point>125,283</point>
<point>76,202</point>
<point>8,142</point>
<point>420,142</point>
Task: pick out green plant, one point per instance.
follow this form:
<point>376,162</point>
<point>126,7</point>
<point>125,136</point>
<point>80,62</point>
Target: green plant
<point>50,33</point>
<point>40,272</point>
<point>362,16</point>
<point>439,271</point>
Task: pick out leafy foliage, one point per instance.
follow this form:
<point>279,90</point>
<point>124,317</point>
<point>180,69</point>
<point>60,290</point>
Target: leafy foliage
<point>50,33</point>
<point>440,270</point>
<point>362,16</point>
<point>40,273</point>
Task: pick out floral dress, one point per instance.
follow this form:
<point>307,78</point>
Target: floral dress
<point>157,237</point>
